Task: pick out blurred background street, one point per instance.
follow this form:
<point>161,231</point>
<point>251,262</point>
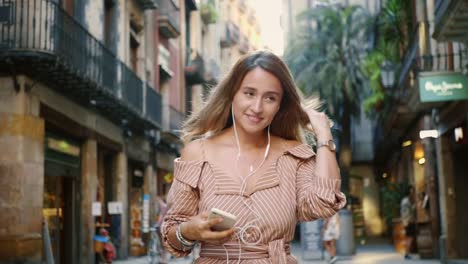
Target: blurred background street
<point>94,93</point>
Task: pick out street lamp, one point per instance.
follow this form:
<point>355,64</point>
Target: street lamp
<point>387,74</point>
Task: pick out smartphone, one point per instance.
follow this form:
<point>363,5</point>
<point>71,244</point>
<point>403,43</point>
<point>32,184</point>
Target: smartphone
<point>228,219</point>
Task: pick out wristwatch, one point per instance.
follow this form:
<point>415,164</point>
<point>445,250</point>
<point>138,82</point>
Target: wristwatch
<point>329,143</point>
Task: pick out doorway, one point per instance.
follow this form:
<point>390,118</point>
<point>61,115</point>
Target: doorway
<point>61,197</point>
<point>460,155</point>
<point>60,212</point>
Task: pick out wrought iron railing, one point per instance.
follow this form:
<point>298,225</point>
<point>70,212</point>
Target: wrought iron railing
<point>169,11</point>
<point>244,44</point>
<point>153,105</point>
<point>235,34</point>
<point>440,7</point>
<point>226,40</point>
<point>43,27</point>
<point>176,118</point>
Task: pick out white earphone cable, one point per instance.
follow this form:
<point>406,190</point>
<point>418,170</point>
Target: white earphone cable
<point>242,231</point>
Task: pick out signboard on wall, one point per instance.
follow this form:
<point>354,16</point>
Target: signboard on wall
<point>445,86</point>
<point>146,212</point>
<point>114,208</point>
<point>96,209</point>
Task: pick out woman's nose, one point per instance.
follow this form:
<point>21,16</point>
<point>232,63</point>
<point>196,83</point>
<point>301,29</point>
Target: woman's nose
<point>258,106</point>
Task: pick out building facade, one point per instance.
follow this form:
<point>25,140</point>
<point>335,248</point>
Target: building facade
<point>421,136</point>
<point>90,107</point>
<point>239,31</point>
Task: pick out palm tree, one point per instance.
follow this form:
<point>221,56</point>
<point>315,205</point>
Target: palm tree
<point>325,58</point>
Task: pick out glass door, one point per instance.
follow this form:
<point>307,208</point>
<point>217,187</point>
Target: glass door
<point>58,210</point>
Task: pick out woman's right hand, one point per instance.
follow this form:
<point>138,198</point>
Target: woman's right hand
<point>198,228</point>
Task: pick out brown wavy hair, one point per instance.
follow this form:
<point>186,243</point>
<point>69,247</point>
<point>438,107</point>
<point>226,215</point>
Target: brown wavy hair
<point>291,122</point>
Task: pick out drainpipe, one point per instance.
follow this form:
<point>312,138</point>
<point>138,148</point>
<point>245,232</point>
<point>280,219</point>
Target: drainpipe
<point>424,34</point>
<point>442,191</point>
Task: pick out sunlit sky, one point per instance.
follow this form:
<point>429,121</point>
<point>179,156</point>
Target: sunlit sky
<point>269,15</point>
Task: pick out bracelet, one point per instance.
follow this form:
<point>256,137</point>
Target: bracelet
<point>186,244</point>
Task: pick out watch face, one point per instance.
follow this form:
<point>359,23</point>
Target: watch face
<point>332,145</point>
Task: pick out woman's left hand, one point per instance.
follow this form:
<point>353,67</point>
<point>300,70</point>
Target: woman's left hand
<point>320,124</point>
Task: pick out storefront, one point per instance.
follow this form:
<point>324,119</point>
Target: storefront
<point>452,153</point>
<point>165,169</point>
<point>136,197</point>
<point>61,192</point>
<point>449,125</point>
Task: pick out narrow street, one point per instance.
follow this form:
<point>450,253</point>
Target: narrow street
<point>377,252</point>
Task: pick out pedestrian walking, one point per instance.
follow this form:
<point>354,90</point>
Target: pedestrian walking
<point>331,233</point>
<point>162,209</point>
<point>245,155</point>
<point>408,217</point>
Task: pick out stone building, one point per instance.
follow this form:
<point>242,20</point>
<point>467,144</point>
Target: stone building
<point>88,93</point>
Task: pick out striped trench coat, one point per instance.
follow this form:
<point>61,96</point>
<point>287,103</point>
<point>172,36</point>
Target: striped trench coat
<point>288,191</point>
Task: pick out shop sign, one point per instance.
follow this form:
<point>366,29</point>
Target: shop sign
<point>436,87</point>
<point>146,207</point>
<point>96,209</point>
<point>63,146</point>
<point>114,208</point>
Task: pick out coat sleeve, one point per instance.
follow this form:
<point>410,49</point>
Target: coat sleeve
<point>317,195</point>
<point>183,199</point>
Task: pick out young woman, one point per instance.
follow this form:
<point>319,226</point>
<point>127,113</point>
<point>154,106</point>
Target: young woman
<point>245,154</point>
<point>331,233</point>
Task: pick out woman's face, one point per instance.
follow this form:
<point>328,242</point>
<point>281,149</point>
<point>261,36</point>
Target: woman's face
<point>257,101</point>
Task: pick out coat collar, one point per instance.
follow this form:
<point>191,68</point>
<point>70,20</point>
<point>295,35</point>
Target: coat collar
<point>302,151</point>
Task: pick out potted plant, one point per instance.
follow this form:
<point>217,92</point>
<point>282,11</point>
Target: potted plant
<point>208,13</point>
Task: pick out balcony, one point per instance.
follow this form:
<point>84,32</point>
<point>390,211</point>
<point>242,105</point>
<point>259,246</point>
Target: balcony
<point>230,36</point>
<point>40,40</point>
<point>153,105</point>
<point>235,34</point>
<point>242,5</point>
<point>405,107</point>
<point>169,19</point>
<point>213,72</point>
<point>195,70</point>
<point>147,4</point>
<point>244,45</point>
<point>172,124</point>
<point>176,119</point>
<point>451,18</point>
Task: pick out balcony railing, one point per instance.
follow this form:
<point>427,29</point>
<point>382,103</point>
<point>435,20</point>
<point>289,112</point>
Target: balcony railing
<point>235,33</point>
<point>169,18</point>
<point>195,69</point>
<point>450,18</point>
<point>226,39</point>
<point>244,45</point>
<point>147,4</point>
<point>404,106</point>
<point>242,5</point>
<point>40,39</point>
<point>176,118</point>
<point>231,35</point>
<point>213,71</point>
<point>153,105</point>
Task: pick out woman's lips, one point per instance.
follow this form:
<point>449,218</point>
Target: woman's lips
<point>254,119</point>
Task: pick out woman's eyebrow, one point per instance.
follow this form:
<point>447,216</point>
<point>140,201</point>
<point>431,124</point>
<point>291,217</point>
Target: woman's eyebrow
<point>249,88</point>
<point>273,93</point>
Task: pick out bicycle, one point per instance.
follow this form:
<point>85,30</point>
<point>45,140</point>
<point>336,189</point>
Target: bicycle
<point>155,246</point>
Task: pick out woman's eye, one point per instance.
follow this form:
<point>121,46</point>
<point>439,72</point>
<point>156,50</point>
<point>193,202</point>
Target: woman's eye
<point>271,98</point>
<point>250,94</point>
